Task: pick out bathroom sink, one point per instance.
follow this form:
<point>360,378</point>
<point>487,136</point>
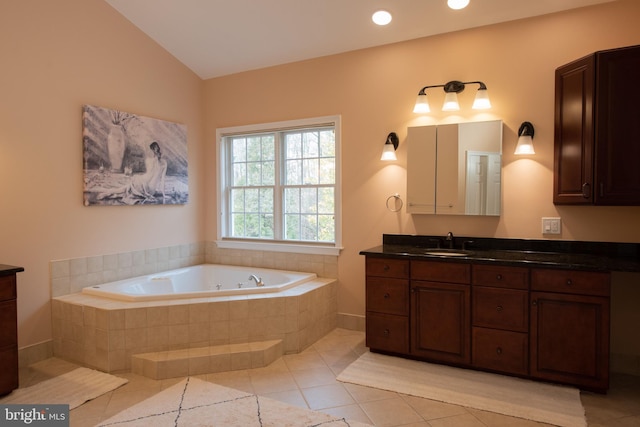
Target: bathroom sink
<point>447,252</point>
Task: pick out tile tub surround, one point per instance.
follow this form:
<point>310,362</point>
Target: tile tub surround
<point>71,275</point>
<point>104,334</point>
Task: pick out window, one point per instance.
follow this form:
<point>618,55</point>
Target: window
<point>279,186</point>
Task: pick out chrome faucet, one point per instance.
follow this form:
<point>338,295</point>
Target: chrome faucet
<point>257,279</point>
<point>449,239</point>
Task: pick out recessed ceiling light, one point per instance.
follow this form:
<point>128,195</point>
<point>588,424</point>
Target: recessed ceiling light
<point>381,17</point>
<point>458,4</point>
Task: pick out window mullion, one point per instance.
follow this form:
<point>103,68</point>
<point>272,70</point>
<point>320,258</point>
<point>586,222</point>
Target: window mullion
<point>278,189</point>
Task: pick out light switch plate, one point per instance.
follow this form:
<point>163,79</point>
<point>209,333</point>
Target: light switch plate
<point>551,225</point>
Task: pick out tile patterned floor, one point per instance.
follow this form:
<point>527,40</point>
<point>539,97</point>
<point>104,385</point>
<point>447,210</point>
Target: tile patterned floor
<point>308,380</point>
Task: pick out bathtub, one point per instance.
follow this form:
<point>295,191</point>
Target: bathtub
<point>199,281</point>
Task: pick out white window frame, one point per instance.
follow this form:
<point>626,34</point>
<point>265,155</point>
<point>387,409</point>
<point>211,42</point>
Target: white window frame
<point>319,248</point>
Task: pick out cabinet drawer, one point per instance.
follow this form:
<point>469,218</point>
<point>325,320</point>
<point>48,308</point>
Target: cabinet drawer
<point>386,332</point>
<point>500,308</point>
<point>502,351</point>
<point>387,267</point>
<point>450,272</point>
<point>570,281</point>
<point>7,287</point>
<point>390,296</point>
<point>501,277</point>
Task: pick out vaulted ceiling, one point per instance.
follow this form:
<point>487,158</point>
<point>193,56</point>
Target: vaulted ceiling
<point>220,37</point>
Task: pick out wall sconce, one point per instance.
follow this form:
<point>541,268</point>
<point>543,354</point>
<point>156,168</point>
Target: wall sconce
<point>390,147</point>
<point>452,89</point>
<point>525,139</point>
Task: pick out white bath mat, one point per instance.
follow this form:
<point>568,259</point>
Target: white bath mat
<point>194,402</point>
<point>73,388</point>
<point>505,395</point>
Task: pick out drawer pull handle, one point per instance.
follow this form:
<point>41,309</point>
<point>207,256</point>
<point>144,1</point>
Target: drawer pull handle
<point>499,308</point>
<point>387,296</point>
<point>499,277</point>
<point>386,332</point>
<point>386,267</point>
<point>569,282</point>
<point>534,302</point>
<point>498,351</point>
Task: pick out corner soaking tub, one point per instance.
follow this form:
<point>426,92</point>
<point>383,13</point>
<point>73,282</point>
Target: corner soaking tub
<point>206,280</point>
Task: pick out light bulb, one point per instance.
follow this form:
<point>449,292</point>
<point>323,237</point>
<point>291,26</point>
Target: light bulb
<point>450,102</point>
<point>482,101</point>
<point>422,105</point>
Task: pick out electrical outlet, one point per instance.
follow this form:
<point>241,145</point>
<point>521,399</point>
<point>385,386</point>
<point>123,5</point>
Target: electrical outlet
<point>551,225</point>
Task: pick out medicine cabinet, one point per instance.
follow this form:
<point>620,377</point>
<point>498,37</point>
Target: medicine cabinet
<point>455,169</point>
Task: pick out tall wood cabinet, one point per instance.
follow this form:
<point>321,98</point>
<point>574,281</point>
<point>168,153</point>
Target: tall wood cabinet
<point>8,329</point>
<point>546,324</point>
<point>597,134</point>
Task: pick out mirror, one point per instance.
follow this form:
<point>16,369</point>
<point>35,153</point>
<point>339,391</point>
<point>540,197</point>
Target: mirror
<point>455,169</point>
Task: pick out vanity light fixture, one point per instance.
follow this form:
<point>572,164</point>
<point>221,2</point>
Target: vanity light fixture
<point>452,89</point>
<point>525,139</point>
<point>390,147</point>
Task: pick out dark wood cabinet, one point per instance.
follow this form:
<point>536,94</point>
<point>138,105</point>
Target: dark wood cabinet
<point>8,334</point>
<point>597,135</point>
<point>440,311</point>
<point>387,305</point>
<point>570,318</point>
<point>546,324</point>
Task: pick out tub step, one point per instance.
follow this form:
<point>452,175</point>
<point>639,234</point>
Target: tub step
<point>206,360</point>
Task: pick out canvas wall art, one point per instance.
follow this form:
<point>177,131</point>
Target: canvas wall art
<point>133,160</point>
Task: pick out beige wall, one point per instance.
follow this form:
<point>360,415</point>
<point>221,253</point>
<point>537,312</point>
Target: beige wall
<point>55,57</point>
<point>374,91</point>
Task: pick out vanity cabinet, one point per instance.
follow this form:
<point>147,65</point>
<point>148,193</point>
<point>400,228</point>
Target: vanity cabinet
<point>596,146</point>
<point>387,305</point>
<point>570,317</point>
<point>539,323</point>
<point>8,335</point>
<point>440,311</point>
<point>500,322</point>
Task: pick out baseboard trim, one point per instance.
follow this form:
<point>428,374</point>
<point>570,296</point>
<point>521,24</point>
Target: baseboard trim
<point>35,353</point>
<point>352,322</point>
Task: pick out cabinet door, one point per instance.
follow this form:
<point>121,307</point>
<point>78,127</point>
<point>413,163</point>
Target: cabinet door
<point>570,339</point>
<point>440,323</point>
<point>421,170</point>
<point>616,116</point>
<point>574,137</point>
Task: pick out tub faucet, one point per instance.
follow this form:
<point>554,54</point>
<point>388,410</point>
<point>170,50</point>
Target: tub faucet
<point>449,239</point>
<point>257,279</point>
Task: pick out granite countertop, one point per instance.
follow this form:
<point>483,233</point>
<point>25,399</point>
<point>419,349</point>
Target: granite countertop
<point>594,256</point>
<point>7,270</point>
